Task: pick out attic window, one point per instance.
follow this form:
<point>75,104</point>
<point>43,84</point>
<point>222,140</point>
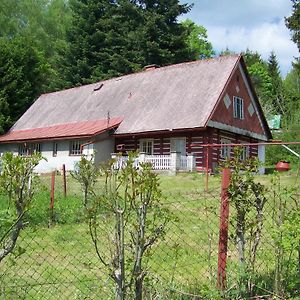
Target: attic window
<point>97,88</point>
<point>238,108</point>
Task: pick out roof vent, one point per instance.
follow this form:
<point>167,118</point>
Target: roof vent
<point>151,67</point>
<point>97,88</point>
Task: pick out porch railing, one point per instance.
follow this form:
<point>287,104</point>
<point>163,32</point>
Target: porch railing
<point>174,162</point>
<point>159,162</point>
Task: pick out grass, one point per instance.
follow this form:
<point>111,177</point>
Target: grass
<point>60,261</point>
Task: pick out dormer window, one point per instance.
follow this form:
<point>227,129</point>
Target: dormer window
<point>238,108</point>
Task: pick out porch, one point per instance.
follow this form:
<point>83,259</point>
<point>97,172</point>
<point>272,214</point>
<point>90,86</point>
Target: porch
<point>175,162</point>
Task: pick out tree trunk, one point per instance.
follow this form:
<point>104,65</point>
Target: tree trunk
<point>120,268</point>
<point>140,244</point>
<point>10,245</point>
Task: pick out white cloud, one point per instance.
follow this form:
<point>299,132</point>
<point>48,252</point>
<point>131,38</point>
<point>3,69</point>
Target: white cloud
<point>241,24</point>
<point>263,39</point>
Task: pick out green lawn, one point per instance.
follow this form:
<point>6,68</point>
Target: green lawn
<point>60,261</point>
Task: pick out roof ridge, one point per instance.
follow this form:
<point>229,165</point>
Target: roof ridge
<point>199,61</point>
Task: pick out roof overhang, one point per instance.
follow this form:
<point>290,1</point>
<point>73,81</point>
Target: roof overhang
<point>78,130</point>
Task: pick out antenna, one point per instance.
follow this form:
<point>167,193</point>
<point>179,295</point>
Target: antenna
<point>108,118</point>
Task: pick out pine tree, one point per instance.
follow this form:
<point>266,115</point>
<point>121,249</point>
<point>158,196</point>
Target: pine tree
<point>276,84</point>
<point>162,39</point>
<point>293,24</point>
<point>110,38</point>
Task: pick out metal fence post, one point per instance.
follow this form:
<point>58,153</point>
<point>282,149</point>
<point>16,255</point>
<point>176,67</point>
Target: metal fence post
<point>223,234</point>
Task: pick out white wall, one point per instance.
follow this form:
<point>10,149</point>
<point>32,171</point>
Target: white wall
<point>103,149</point>
<point>52,163</point>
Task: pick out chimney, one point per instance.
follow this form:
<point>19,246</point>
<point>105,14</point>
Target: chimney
<point>151,67</point>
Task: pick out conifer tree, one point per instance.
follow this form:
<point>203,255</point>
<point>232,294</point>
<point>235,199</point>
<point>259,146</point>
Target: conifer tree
<point>21,76</point>
<point>110,38</point>
<point>276,84</point>
<point>293,24</point>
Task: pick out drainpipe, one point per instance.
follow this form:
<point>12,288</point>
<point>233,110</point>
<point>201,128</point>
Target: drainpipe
<point>86,144</point>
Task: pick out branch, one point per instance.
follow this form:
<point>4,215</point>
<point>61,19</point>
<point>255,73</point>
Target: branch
<point>94,239</point>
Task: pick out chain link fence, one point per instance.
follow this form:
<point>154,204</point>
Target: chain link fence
<point>56,259</point>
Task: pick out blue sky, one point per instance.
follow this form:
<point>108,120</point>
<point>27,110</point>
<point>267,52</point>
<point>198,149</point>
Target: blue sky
<point>241,24</point>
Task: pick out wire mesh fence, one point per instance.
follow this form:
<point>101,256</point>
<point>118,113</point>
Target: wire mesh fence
<point>57,259</point>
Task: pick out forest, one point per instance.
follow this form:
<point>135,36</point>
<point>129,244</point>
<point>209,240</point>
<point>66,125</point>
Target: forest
<point>49,45</point>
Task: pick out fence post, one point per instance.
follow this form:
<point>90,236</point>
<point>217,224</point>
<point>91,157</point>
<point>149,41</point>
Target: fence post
<point>223,233</point>
<point>64,180</point>
<point>52,198</point>
<point>175,162</point>
<point>191,162</point>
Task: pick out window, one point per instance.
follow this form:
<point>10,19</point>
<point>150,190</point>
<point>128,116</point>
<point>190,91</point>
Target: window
<point>76,147</point>
<point>55,148</point>
<point>225,150</point>
<point>146,146</point>
<point>244,153</point>
<point>238,108</point>
<point>178,145</point>
<point>29,148</point>
<point>23,150</point>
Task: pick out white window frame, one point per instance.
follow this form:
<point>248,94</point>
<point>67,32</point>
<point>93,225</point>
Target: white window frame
<point>225,150</point>
<point>75,147</point>
<point>173,145</point>
<point>238,108</point>
<point>147,146</point>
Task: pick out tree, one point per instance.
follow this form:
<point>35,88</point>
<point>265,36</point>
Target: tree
<point>248,199</point>
<point>86,173</point>
<point>17,182</point>
<point>163,39</point>
<point>22,73</point>
<point>277,100</point>
<point>111,38</point>
<point>43,24</point>
<point>293,24</point>
<point>258,70</point>
<point>128,218</point>
<point>197,40</point>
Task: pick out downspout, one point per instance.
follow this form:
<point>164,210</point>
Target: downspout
<point>85,144</point>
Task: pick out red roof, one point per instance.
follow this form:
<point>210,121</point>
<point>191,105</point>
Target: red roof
<point>68,130</point>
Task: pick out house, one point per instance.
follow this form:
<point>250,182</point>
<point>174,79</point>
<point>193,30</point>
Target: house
<point>158,111</point>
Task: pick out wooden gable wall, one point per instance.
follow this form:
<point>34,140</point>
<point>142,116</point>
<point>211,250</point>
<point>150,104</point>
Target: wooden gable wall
<point>224,112</point>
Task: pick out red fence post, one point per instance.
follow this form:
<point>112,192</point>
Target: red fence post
<point>223,235</point>
<point>52,197</point>
<point>65,180</point>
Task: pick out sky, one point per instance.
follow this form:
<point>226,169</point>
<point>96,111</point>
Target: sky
<point>241,24</point>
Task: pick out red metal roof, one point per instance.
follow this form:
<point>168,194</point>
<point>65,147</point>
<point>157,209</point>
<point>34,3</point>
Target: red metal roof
<point>68,130</point>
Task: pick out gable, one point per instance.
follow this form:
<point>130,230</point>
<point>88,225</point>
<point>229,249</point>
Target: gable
<point>251,122</point>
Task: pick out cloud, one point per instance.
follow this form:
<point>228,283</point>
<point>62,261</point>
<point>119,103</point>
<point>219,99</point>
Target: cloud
<point>264,38</point>
<point>241,24</point>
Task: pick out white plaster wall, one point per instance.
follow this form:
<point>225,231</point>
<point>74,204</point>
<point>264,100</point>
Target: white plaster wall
<point>103,150</point>
<point>9,148</point>
<point>52,163</point>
